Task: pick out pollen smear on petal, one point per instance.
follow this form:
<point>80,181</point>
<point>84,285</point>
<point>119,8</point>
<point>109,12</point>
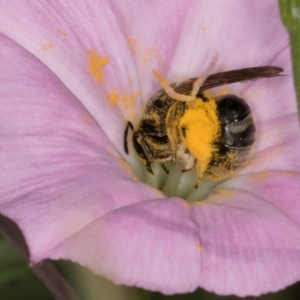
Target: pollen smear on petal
<point>261,175</point>
<point>61,32</point>
<point>128,103</point>
<point>186,205</point>
<point>96,64</point>
<point>200,248</point>
<point>222,194</point>
<point>203,25</point>
<point>290,173</point>
<point>125,166</point>
<point>47,46</point>
<point>198,202</point>
<point>145,55</point>
<point>87,120</point>
<point>265,174</point>
<point>113,97</point>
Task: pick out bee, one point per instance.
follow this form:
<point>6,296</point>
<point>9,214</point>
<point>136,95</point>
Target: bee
<point>182,125</point>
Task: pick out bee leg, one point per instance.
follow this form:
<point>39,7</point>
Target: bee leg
<point>165,168</point>
<point>129,125</point>
<point>186,170</point>
<point>141,149</point>
<point>148,167</point>
<point>197,183</point>
<point>199,175</point>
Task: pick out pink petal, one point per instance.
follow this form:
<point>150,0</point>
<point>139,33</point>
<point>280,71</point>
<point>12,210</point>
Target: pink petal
<point>153,244</point>
<point>62,180</point>
<point>59,172</point>
<point>65,35</point>
<point>250,244</point>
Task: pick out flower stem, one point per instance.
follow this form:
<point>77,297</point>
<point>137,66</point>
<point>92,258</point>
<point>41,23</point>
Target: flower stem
<point>290,14</point>
<point>46,271</point>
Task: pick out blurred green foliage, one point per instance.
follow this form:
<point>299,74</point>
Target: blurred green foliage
<point>17,281</point>
<point>290,13</point>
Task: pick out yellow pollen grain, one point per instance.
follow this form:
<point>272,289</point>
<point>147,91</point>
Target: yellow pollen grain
<point>125,166</point>
<point>203,25</point>
<point>200,127</point>
<point>113,98</point>
<point>225,167</point>
<point>145,55</point>
<point>61,32</point>
<point>96,64</point>
<point>197,202</point>
<point>131,42</point>
<point>186,205</point>
<point>128,103</point>
<point>290,173</point>
<point>87,120</point>
<point>261,175</point>
<point>265,174</point>
<point>47,47</point>
<point>223,194</point>
<point>200,248</point>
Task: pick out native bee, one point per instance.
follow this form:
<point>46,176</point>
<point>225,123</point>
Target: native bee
<point>182,125</point>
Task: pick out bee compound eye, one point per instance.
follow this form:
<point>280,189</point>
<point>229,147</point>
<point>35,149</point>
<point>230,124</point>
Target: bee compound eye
<point>232,109</point>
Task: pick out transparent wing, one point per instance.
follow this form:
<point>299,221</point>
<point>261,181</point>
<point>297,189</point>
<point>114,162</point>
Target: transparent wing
<point>239,75</point>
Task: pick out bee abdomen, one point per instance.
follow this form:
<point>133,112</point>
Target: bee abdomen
<point>234,144</point>
<point>238,128</point>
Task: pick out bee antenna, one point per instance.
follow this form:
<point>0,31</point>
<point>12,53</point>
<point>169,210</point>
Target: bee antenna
<point>196,85</point>
<point>169,90</point>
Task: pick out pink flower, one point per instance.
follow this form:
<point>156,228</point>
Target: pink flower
<point>73,73</point>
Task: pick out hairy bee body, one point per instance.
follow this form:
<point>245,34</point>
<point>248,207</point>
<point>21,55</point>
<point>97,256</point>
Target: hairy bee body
<point>167,132</point>
<point>152,131</point>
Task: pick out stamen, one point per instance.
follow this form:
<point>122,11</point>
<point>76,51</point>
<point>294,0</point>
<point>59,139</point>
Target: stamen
<point>172,182</point>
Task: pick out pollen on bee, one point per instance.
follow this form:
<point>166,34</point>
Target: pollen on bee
<point>201,121</point>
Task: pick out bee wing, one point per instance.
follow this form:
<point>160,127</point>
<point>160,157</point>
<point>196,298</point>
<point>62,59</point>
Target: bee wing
<point>239,75</point>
